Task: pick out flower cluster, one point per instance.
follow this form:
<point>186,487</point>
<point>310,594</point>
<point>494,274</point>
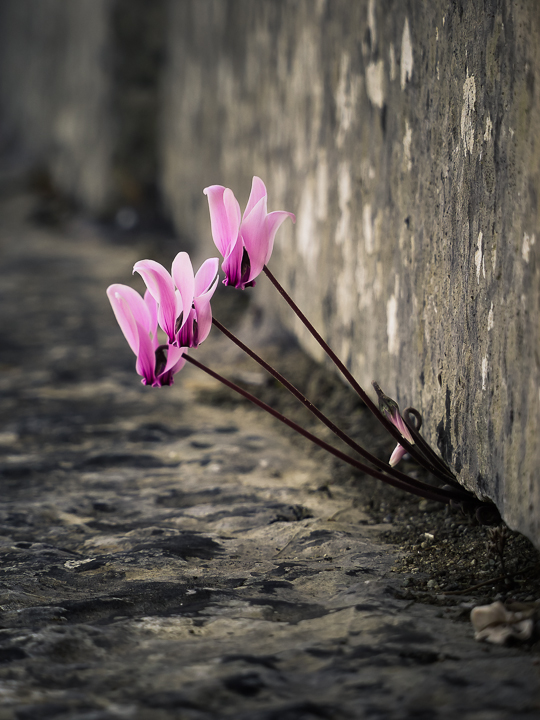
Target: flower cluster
<point>179,302</point>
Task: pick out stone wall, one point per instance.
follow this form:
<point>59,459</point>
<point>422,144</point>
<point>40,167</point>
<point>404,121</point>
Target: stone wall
<point>404,136</point>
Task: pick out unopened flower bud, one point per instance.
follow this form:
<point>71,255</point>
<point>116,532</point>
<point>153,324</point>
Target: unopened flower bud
<point>390,409</point>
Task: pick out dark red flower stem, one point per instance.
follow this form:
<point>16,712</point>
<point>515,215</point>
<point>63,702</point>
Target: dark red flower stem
<point>414,428</point>
<point>379,464</point>
<point>394,432</point>
<point>426,491</point>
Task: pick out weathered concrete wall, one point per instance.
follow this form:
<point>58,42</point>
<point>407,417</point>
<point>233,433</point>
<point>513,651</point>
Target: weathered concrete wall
<point>55,92</point>
<point>404,136</point>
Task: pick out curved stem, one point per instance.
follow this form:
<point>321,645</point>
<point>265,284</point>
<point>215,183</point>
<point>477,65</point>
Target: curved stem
<point>379,464</point>
<point>425,491</point>
<point>423,446</point>
<point>414,452</point>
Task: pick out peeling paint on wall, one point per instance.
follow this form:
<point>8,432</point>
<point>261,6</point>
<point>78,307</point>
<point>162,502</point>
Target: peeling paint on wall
<point>344,200</point>
<point>375,82</point>
<point>488,133</point>
<point>305,230</point>
<point>372,25</point>
<point>367,227</point>
<point>346,98</point>
<point>467,114</point>
<point>479,259</point>
<point>392,327</point>
<point>407,139</point>
<point>406,55</point>
<point>528,242</point>
<point>322,187</point>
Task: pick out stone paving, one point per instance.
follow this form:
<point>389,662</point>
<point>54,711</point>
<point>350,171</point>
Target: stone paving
<point>166,558</point>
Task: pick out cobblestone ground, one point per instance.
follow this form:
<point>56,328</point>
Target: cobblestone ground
<point>163,557</point>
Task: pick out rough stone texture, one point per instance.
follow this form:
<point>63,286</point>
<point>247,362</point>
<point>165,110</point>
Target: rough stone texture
<point>165,558</point>
<point>404,136</point>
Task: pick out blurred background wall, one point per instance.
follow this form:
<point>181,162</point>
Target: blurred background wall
<point>79,97</point>
<point>55,93</point>
<point>404,135</point>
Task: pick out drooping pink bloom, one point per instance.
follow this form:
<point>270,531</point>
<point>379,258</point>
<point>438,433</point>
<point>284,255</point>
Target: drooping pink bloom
<point>390,409</point>
<point>399,451</point>
<point>246,243</point>
<point>397,455</point>
<point>183,299</point>
<point>137,318</point>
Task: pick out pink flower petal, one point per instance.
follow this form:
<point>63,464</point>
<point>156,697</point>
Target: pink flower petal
<point>130,311</point>
<point>232,264</point>
<point>186,335</point>
<point>273,222</point>
<point>205,276</point>
<point>224,217</point>
<point>258,192</point>
<point>152,306</point>
<point>232,210</point>
<point>396,456</point>
<point>146,357</point>
<point>161,286</point>
<point>204,313</point>
<point>254,237</point>
<point>399,422</point>
<point>175,361</point>
<point>182,272</point>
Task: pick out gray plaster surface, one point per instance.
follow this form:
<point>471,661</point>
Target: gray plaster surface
<point>404,136</point>
<point>162,557</point>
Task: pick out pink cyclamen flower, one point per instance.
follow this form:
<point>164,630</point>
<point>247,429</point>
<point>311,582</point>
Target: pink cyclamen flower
<point>246,243</point>
<point>183,299</point>
<point>137,318</point>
